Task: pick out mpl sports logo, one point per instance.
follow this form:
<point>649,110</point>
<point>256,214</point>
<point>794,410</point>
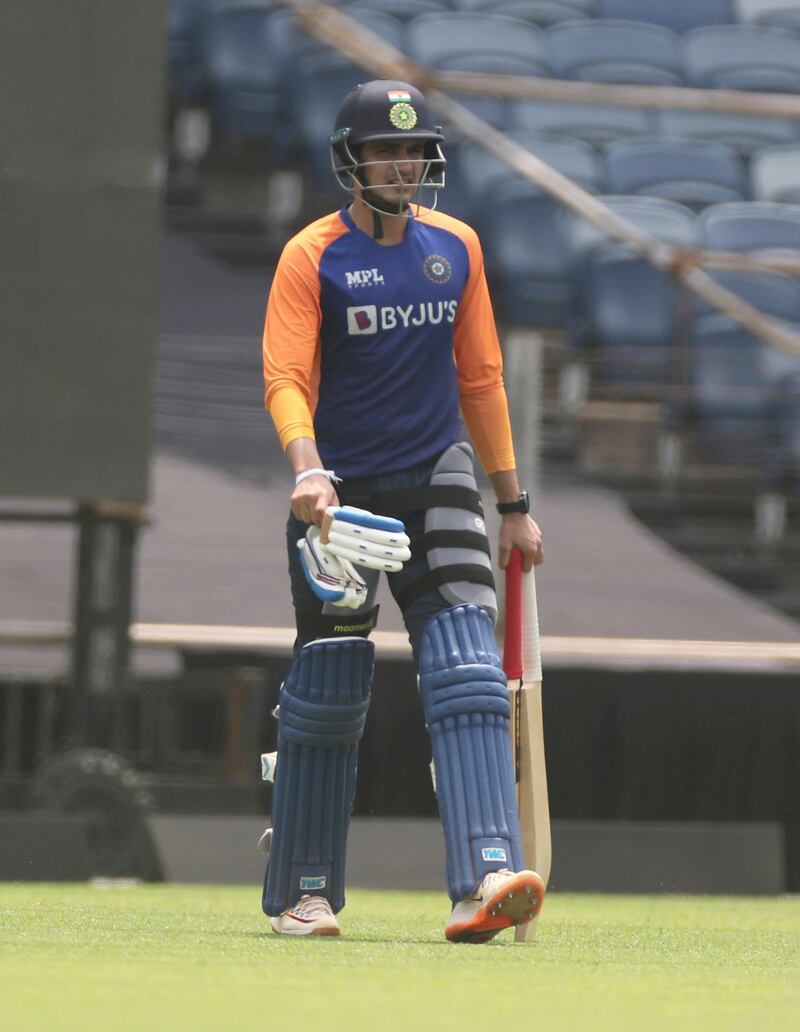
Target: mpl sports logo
<point>364,278</point>
<point>368,319</point>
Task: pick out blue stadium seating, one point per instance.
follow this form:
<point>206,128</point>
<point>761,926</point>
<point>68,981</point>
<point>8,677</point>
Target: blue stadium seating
<point>678,15</point>
<point>319,82</point>
<point>186,70</point>
<point>774,174</point>
<point>744,133</point>
<point>730,394</point>
<point>621,304</point>
<point>521,230</point>
<point>539,12</point>
<point>744,57</point>
<point>614,51</point>
<point>476,41</point>
<point>403,10</point>
<point>695,173</point>
<point>246,83</point>
<point>595,124</point>
<point>750,226</point>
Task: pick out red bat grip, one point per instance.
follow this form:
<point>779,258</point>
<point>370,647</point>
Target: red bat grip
<point>512,627</point>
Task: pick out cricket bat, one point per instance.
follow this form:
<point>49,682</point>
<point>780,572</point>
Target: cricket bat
<point>522,662</point>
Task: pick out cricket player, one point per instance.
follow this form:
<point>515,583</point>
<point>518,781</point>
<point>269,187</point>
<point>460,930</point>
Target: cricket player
<point>379,329</point>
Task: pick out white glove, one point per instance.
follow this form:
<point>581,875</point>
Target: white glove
<point>332,579</point>
<point>360,537</point>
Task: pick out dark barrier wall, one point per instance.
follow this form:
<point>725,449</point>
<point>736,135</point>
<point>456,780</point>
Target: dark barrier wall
<point>80,174</point>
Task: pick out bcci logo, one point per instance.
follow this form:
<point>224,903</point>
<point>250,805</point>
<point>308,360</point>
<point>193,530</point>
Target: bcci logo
<point>437,268</point>
<point>402,116</point>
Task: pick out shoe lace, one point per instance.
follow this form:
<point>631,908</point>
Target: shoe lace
<point>309,907</point>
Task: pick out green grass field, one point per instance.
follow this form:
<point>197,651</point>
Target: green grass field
<point>88,958</point>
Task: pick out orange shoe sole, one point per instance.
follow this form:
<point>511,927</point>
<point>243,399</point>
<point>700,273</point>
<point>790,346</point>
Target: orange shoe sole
<point>518,903</point>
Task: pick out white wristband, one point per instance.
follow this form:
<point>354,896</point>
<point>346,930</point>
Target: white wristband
<point>317,471</point>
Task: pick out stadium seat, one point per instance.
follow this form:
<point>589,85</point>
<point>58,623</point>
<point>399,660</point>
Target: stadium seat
<point>773,294</point>
<point>522,233</point>
<point>595,124</point>
<point>319,82</point>
<point>476,41</point>
<point>774,174</point>
<point>678,15</point>
<point>751,226</point>
<point>186,73</point>
<point>621,305</point>
<point>538,12</point>
<point>744,133</point>
<point>614,51</point>
<point>403,10</point>
<point>245,81</point>
<point>729,392</point>
<point>695,173</point>
<point>744,57</point>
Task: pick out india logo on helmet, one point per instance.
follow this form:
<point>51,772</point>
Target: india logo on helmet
<point>402,116</point>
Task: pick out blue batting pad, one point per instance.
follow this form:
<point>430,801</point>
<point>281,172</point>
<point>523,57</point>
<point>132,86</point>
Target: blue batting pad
<point>323,708</point>
<point>465,698</point>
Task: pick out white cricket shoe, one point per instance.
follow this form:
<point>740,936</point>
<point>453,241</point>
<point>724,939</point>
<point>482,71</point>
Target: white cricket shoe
<point>502,900</point>
<point>311,915</point>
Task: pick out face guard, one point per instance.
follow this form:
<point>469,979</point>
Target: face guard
<point>387,111</point>
<point>351,174</point>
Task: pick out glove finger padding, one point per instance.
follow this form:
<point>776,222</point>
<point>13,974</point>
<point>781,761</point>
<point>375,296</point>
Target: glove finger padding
<point>361,537</point>
<point>333,579</point>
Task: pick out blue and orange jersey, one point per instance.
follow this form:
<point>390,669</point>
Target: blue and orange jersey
<point>372,349</point>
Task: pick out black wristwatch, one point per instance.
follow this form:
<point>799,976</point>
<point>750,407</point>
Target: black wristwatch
<point>522,504</point>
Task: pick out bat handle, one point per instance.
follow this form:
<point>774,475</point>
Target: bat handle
<point>512,621</point>
<point>325,528</point>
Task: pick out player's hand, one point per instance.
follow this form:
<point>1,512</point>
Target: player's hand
<point>518,530</point>
<point>311,497</point>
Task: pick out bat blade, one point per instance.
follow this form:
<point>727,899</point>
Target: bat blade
<point>522,662</point>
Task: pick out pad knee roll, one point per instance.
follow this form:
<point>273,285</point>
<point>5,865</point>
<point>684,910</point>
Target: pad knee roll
<point>323,708</point>
<point>465,699</point>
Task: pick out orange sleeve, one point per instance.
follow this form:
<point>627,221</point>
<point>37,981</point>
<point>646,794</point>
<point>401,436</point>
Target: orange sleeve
<point>479,364</point>
<point>291,332</point>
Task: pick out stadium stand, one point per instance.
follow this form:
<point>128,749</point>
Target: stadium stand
<point>678,15</point>
<point>743,57</point>
<point>744,133</point>
<point>543,13</point>
<point>614,51</point>
<point>623,309</point>
<point>476,41</point>
<point>245,83</point>
<point>595,124</point>
<point>751,226</point>
<point>186,68</point>
<point>694,173</point>
<point>524,245</point>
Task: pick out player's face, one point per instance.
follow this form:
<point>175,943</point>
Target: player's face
<point>393,171</point>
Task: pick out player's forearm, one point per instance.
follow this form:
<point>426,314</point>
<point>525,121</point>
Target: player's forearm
<point>302,453</point>
<point>506,485</point>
